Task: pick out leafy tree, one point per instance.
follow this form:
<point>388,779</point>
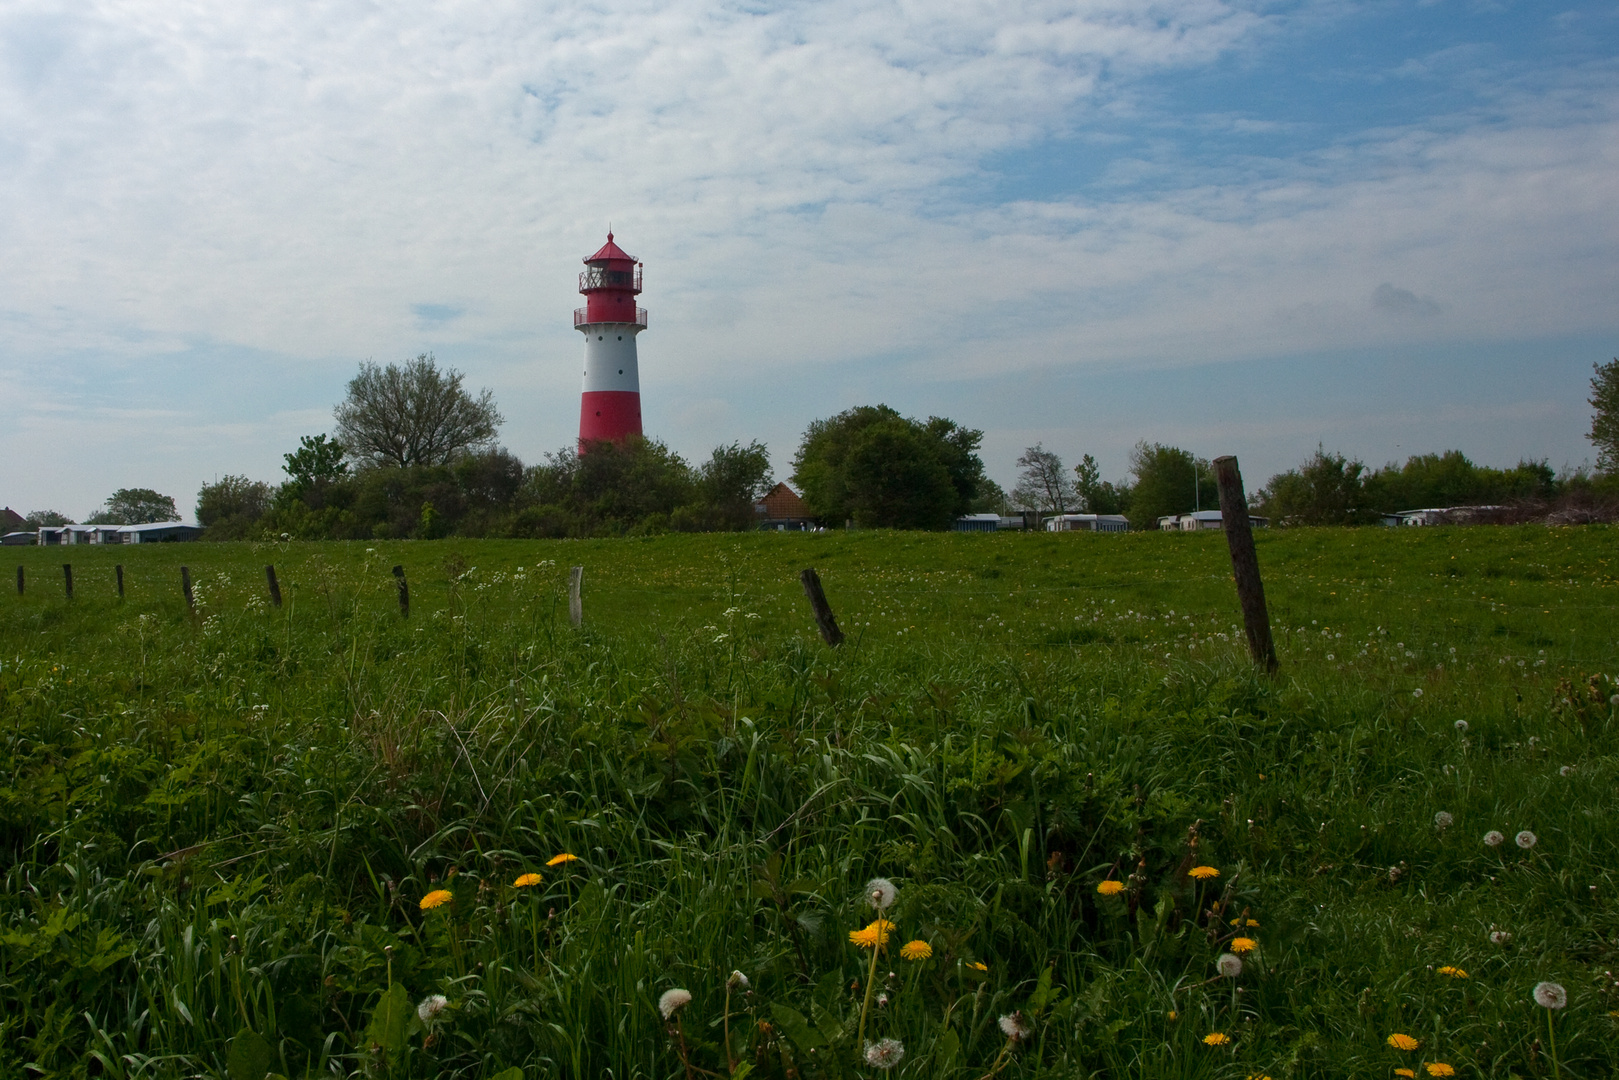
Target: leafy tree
<point>318,460</point>
<point>1604,400</point>
<point>1168,480</point>
<point>231,506</point>
<point>991,499</point>
<point>730,482</point>
<point>414,414</point>
<point>1451,479</point>
<point>1043,482</point>
<point>45,519</point>
<point>1095,495</point>
<point>1328,489</point>
<point>879,469</point>
<point>136,506</point>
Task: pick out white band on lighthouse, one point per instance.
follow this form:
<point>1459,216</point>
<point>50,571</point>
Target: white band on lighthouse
<point>610,362</point>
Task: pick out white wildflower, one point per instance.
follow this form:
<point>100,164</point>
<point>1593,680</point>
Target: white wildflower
<point>1229,964</point>
<point>1443,820</point>
<point>673,1001</point>
<point>431,1006</point>
<point>1550,995</point>
<point>1494,838</point>
<point>1499,937</point>
<point>880,891</point>
<point>884,1053</point>
<point>1461,726</point>
<point>1565,770</point>
<point>1526,839</point>
<point>737,981</point>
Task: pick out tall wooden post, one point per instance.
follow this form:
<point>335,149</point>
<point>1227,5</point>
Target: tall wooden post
<point>19,580</point>
<point>1239,535</point>
<point>576,603</point>
<point>824,619</point>
<point>275,586</point>
<point>67,578</point>
<point>404,592</point>
<point>119,570</point>
<point>185,586</point>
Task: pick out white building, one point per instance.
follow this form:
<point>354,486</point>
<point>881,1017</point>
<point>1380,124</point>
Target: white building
<point>1088,523</point>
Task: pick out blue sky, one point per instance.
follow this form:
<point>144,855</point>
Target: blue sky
<point>1239,227</point>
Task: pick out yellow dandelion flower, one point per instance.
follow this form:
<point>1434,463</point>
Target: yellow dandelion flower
<point>1407,1073</point>
<point>1453,972</point>
<point>1243,944</point>
<point>1402,1042</point>
<point>525,880</point>
<point>1251,922</point>
<point>558,860</point>
<point>1216,1038</point>
<point>875,933</point>
<point>1202,872</point>
<point>436,898</point>
<point>915,950</point>
<point>1110,887</point>
<point>1173,1015</point>
<point>978,965</point>
<point>1439,1068</point>
<point>1257,1076</point>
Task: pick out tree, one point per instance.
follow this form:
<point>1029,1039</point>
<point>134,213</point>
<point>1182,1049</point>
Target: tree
<point>414,414</point>
<point>1169,480</point>
<point>1604,400</point>
<point>230,506</point>
<point>1098,496</point>
<point>730,482</point>
<point>45,519</point>
<point>1043,483</point>
<point>136,506</point>
<point>1328,489</point>
<point>317,460</point>
<point>879,469</point>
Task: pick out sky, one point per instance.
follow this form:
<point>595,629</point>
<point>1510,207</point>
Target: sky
<point>1235,226</point>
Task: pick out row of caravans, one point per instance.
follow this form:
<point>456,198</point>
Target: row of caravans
<point>156,532</point>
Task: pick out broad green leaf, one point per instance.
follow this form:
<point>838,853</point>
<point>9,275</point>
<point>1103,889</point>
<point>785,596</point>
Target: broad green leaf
<point>249,1056</point>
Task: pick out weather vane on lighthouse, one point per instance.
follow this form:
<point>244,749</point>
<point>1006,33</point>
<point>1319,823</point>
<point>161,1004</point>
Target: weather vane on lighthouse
<point>610,406</point>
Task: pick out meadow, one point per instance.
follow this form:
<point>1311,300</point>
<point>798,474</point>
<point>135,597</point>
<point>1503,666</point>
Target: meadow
<point>323,839</point>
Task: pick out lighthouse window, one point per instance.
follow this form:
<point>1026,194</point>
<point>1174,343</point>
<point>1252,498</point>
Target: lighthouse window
<point>598,337</point>
<point>621,371</point>
<point>621,337</point>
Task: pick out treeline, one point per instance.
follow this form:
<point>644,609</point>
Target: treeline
<point>1331,489</point>
<point>636,487</point>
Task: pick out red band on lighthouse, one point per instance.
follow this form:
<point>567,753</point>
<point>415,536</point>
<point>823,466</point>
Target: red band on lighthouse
<point>610,404</point>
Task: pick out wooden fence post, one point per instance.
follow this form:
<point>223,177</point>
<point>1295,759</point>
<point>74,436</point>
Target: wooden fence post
<point>824,619</point>
<point>404,592</point>
<point>185,585</point>
<point>67,578</point>
<point>1239,535</point>
<point>19,581</point>
<point>275,586</point>
<point>119,569</point>
<point>576,603</point>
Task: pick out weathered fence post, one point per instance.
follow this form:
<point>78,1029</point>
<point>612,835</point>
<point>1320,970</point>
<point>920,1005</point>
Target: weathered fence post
<point>1239,535</point>
<point>67,578</point>
<point>185,585</point>
<point>824,619</point>
<point>19,581</point>
<point>275,586</point>
<point>119,570</point>
<point>576,603</point>
<point>404,592</point>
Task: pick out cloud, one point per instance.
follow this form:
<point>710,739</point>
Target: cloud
<point>1403,302</point>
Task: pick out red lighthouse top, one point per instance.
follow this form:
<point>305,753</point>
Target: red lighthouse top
<point>611,280</point>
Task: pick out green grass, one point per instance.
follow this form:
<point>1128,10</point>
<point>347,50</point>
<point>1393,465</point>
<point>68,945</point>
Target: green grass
<point>217,828</point>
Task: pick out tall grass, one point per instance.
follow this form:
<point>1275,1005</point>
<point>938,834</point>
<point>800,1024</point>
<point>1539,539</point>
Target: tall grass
<point>218,827</point>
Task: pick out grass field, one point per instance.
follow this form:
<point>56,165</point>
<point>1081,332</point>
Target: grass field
<point>219,828</point>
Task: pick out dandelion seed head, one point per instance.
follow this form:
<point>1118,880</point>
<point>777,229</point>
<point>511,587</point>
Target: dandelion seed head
<point>430,1006</point>
<point>672,1001</point>
<point>1566,770</point>
<point>737,981</point>
<point>1443,820</point>
<point>1016,1026</point>
<point>881,892</point>
<point>1526,839</point>
<point>1550,995</point>
<point>884,1053</point>
<point>1499,937</point>
<point>1461,726</point>
<point>1229,965</point>
<point>1494,838</point>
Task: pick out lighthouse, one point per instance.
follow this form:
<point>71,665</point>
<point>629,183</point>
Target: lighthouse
<point>610,406</point>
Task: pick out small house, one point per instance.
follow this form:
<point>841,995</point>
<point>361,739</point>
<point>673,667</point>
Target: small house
<point>781,510</point>
<point>19,539</point>
<point>1112,523</point>
<point>978,523</point>
<point>159,532</point>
